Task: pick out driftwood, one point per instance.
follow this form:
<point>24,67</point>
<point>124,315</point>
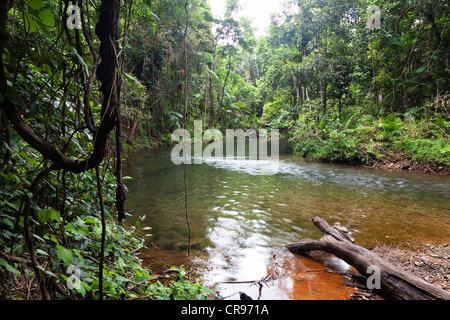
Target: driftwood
<point>393,282</point>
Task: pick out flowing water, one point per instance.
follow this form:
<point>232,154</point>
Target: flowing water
<point>240,218</point>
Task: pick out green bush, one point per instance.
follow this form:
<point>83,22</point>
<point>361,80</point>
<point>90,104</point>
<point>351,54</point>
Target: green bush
<point>419,141</point>
<point>66,229</point>
<point>272,111</point>
<point>390,125</point>
<point>428,150</point>
<point>338,148</point>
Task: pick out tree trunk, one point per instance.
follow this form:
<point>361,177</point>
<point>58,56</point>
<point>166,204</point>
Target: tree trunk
<point>293,90</point>
<point>106,30</point>
<point>205,111</point>
<point>394,282</point>
<point>221,115</point>
<point>375,80</point>
<point>323,82</point>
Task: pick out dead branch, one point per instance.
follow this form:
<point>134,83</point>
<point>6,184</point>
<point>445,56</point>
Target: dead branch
<point>394,282</point>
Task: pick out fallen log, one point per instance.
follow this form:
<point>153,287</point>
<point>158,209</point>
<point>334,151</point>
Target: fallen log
<point>392,281</point>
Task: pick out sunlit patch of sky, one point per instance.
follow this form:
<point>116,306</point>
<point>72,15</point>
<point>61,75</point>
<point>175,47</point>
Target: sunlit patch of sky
<point>258,11</point>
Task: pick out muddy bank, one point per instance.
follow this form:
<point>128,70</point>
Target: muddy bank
<point>393,161</point>
<point>312,277</point>
<point>397,160</point>
<point>429,262</point>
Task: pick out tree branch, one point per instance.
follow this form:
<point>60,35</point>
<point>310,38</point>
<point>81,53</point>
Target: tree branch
<point>106,72</point>
<point>394,282</point>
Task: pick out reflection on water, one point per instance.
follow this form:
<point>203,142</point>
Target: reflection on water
<point>240,218</point>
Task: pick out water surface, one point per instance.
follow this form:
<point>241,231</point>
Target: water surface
<point>241,218</point>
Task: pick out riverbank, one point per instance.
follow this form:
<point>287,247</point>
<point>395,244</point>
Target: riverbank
<point>390,143</point>
<point>397,160</point>
<point>428,262</point>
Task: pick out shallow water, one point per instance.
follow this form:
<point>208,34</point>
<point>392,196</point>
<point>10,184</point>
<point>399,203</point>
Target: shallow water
<point>240,217</point>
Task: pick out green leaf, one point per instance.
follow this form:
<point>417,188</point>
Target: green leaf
<point>42,239</point>
<point>47,272</point>
<point>78,254</point>
<point>64,254</point>
<point>18,249</point>
<point>36,4</point>
<point>153,14</point>
<point>8,222</point>
<point>48,214</point>
<point>130,77</point>
<point>177,114</point>
<point>82,231</point>
<point>240,104</point>
<point>89,220</point>
<point>30,23</point>
<point>14,206</point>
<point>44,215</point>
<point>8,267</point>
<point>56,215</point>
<point>122,279</point>
<point>421,69</point>
<point>70,228</point>
<point>212,74</point>
<point>47,69</point>
<point>80,59</point>
<point>81,289</point>
<point>209,56</point>
<point>40,251</point>
<point>47,17</point>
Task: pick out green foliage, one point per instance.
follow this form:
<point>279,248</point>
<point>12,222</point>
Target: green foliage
<point>47,68</point>
<point>338,147</point>
<point>371,140</point>
<point>318,66</point>
<point>45,215</point>
<point>64,254</point>
<point>426,150</point>
<point>390,125</point>
<point>180,289</point>
<point>70,237</point>
<point>36,17</point>
<point>341,92</point>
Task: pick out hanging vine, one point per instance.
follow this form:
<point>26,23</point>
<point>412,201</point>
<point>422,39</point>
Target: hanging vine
<point>56,149</point>
<point>184,123</point>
